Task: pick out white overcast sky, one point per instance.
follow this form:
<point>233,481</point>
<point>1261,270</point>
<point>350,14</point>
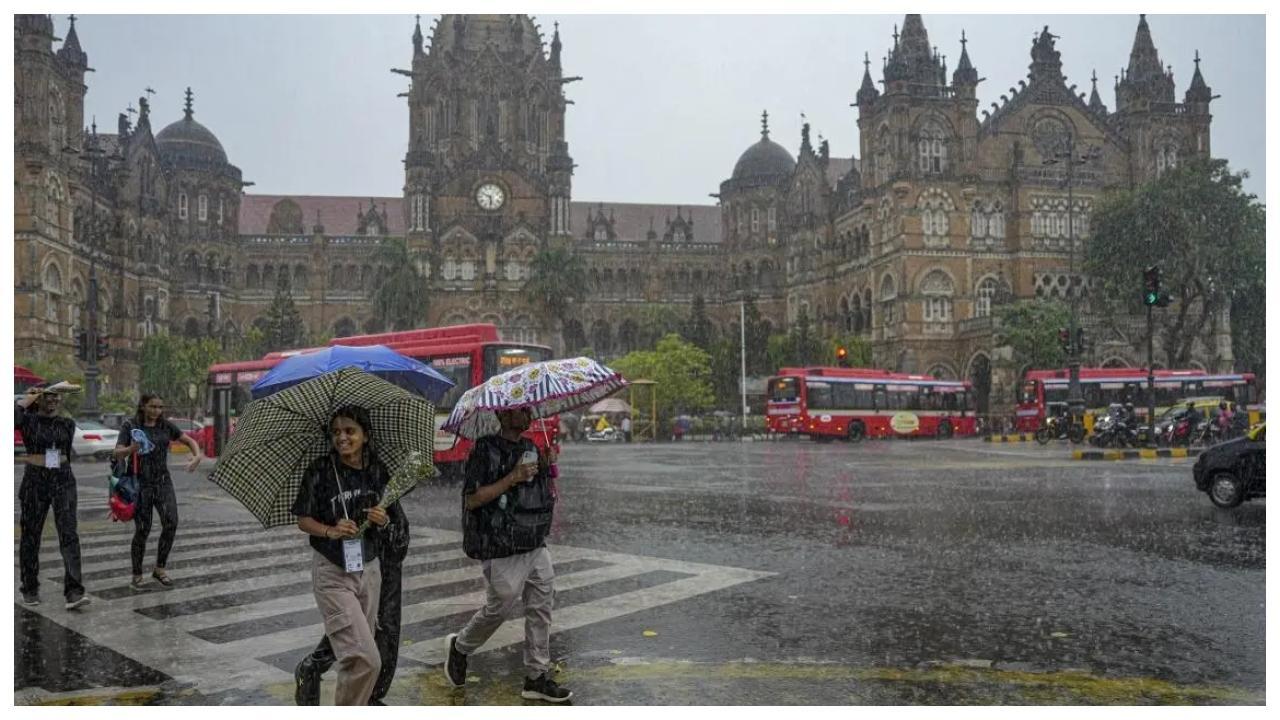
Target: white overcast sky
<point>307,105</point>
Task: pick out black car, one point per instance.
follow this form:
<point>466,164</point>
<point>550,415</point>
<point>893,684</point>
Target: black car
<point>1234,471</point>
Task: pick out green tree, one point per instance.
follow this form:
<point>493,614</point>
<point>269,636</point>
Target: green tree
<point>806,348</point>
<point>1205,232</point>
<point>557,283</point>
<point>251,345</point>
<point>285,328</point>
<point>858,347</point>
<point>173,367</point>
<point>681,370</point>
<point>57,368</point>
<point>698,329</point>
<point>1249,326</point>
<point>655,322</point>
<point>757,341</point>
<point>402,298</point>
<point>1030,328</point>
<point>726,373</point>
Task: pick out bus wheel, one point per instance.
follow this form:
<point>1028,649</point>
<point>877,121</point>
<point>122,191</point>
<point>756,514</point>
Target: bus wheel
<point>944,430</point>
<point>856,432</point>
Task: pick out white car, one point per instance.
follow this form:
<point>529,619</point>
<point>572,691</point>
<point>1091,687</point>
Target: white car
<point>93,439</point>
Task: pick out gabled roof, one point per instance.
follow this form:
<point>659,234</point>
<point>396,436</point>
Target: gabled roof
<point>338,214</point>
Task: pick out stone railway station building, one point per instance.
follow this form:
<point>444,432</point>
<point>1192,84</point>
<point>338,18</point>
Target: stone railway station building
<point>948,209</point>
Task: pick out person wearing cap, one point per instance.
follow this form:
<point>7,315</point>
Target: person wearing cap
<point>48,483</point>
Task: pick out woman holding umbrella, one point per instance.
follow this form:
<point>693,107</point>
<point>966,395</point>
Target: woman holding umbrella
<point>338,491</point>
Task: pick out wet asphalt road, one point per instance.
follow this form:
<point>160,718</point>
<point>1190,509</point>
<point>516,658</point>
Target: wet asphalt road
<point>885,573</point>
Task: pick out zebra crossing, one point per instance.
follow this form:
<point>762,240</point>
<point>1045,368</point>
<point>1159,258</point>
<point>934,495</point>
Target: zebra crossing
<point>242,613</point>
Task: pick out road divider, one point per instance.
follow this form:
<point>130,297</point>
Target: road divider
<point>1140,454</point>
<point>1019,437</point>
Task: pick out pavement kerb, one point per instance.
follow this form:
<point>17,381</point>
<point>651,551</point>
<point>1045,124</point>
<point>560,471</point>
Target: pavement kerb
<point>1140,454</point>
<point>1019,437</point>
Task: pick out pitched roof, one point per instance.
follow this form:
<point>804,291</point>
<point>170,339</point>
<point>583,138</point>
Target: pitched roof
<point>631,220</point>
<point>838,168</point>
<point>338,214</point>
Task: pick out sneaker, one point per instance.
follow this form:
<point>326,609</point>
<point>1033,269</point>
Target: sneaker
<point>77,601</point>
<point>455,668</point>
<point>544,688</point>
<point>30,598</point>
<point>306,684</point>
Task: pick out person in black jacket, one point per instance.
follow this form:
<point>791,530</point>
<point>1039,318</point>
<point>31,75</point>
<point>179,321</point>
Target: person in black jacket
<point>391,554</point>
<point>507,511</point>
<point>47,483</point>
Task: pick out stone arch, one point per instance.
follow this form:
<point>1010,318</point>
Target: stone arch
<point>942,371</point>
<point>1115,361</point>
<point>978,373</point>
<point>985,292</point>
<point>286,218</point>
<point>269,276</point>
<point>344,327</point>
<point>457,317</point>
<point>574,337</point>
<point>300,276</point>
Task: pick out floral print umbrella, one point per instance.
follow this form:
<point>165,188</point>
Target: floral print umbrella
<point>546,388</point>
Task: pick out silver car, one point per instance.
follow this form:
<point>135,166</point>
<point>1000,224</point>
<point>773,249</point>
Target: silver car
<point>93,439</point>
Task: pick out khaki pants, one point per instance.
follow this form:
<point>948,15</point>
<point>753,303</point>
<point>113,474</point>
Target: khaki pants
<point>349,604</point>
<point>508,580</point>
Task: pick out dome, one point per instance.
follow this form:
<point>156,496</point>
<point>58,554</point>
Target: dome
<point>187,139</point>
<point>764,159</point>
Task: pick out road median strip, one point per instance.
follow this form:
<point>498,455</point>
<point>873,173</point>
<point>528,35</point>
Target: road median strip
<point>1019,437</point>
<point>1140,454</point>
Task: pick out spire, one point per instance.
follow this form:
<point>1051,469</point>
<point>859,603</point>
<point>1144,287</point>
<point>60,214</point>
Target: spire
<point>187,112</point>
<point>966,73</point>
<point>1199,92</point>
<point>1145,80</point>
<point>417,34</point>
<point>70,51</point>
<point>913,59</point>
<point>915,39</point>
<point>1095,100</point>
<point>867,93</point>
<point>805,147</point>
<point>555,45</point>
<point>764,125</point>
<point>1144,61</point>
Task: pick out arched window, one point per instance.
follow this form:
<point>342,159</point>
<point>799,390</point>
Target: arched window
<point>53,290</point>
<point>977,221</point>
<point>182,206</point>
<point>773,218</point>
<point>1166,158</point>
<point>888,294</point>
<point>202,208</point>
<point>755,219</point>
<point>601,233</point>
<point>995,224</point>
<point>450,268</point>
<point>934,206</point>
<point>345,327</point>
<point>884,155</point>
<point>932,149</point>
<point>251,279</point>
<point>57,121</point>
<point>984,295</point>
<point>55,196</point>
<point>937,289</point>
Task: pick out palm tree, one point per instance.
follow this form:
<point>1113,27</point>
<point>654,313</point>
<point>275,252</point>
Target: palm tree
<point>401,300</point>
<point>557,282</point>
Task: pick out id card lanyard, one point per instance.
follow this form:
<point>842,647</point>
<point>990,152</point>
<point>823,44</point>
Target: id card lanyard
<point>352,548</point>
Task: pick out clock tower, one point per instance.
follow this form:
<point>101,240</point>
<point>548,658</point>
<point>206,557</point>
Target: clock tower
<point>487,172</point>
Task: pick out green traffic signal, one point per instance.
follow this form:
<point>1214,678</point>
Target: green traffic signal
<point>1151,299</point>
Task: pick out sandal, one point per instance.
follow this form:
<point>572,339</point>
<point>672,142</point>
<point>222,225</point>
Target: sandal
<point>161,577</point>
<point>138,582</point>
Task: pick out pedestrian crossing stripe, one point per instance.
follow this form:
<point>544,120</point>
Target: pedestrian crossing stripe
<point>219,632</point>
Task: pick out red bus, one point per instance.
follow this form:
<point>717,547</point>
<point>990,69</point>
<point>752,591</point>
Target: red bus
<point>1044,390</point>
<point>466,354</point>
<point>827,402</point>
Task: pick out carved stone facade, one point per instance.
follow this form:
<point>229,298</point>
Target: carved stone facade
<point>949,211</point>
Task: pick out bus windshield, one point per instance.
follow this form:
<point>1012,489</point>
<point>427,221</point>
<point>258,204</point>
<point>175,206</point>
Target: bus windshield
<point>784,389</point>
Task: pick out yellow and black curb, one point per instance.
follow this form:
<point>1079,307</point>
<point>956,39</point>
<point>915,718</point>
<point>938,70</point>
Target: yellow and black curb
<point>1141,454</point>
<point>1020,437</point>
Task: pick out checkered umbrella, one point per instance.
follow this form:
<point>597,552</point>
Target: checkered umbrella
<point>278,436</point>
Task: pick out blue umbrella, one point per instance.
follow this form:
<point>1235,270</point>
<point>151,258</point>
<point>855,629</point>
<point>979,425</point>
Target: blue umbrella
<point>374,359</point>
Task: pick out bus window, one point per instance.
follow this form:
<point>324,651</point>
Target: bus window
<point>879,398</point>
<point>785,389</point>
<point>458,369</point>
<point>819,396</point>
<point>1058,393</point>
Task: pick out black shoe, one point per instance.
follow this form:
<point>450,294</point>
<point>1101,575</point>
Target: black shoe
<point>306,684</point>
<point>30,598</point>
<point>455,668</point>
<point>544,688</point>
<point>77,601</point>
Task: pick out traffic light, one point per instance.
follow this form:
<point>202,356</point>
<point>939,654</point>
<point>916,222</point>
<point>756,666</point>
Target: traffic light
<point>1079,340</point>
<point>103,349</point>
<point>1151,285</point>
<point>82,340</point>
<point>842,357</point>
<point>1064,339</point>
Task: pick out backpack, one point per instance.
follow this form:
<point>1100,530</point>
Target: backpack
<point>521,524</point>
<point>122,489</point>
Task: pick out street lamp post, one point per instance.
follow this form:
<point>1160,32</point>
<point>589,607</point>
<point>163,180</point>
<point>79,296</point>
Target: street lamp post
<point>1075,400</point>
<point>92,372</point>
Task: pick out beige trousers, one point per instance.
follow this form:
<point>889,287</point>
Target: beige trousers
<point>349,604</point>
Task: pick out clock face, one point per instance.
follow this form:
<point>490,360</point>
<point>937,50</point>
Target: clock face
<point>490,196</point>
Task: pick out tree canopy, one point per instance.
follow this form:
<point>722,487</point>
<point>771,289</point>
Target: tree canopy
<point>1206,234</point>
<point>402,298</point>
<point>1030,328</point>
<point>681,370</point>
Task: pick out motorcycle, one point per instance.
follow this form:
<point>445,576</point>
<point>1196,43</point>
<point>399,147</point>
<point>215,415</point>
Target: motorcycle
<point>1112,431</point>
<point>606,435</point>
<point>1058,428</point>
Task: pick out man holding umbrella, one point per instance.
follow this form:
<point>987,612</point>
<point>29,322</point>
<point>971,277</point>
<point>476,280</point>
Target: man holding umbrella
<point>508,503</point>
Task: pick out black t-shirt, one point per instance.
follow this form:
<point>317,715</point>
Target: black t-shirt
<point>155,464</point>
<point>41,433</point>
<point>320,498</point>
